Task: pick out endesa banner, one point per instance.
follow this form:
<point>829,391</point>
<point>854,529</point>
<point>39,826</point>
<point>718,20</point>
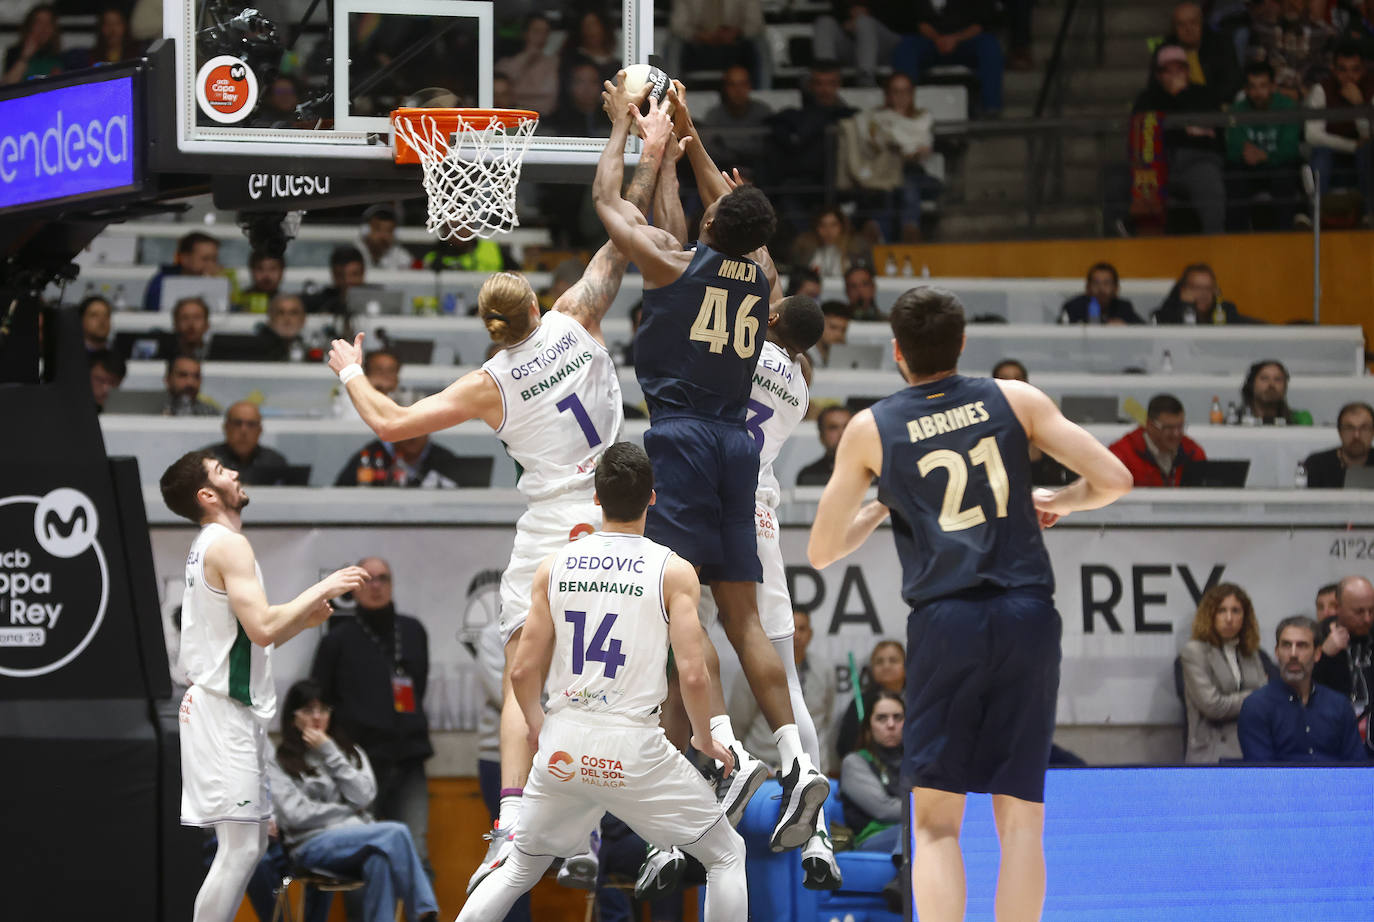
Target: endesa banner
<point>68,141</point>
<point>1127,597</point>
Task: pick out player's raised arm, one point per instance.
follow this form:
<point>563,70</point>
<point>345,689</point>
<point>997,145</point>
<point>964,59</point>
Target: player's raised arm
<point>711,182</point>
<point>590,296</point>
<point>473,396</point>
<point>650,248</point>
<point>843,521</point>
<point>681,593</point>
<point>231,559</point>
<point>668,195</point>
<point>531,664</point>
<point>1103,478</point>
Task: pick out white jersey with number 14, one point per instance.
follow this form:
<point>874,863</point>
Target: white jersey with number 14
<point>561,406</point>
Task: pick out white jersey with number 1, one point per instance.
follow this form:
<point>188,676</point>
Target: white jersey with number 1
<point>561,406</point>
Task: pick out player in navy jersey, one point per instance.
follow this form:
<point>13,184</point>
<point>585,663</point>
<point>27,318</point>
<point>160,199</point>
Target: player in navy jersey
<point>699,340</point>
<point>950,454</point>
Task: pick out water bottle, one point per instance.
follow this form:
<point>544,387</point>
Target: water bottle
<point>1166,363</point>
<point>1232,414</point>
<point>925,271</point>
<point>120,303</point>
<point>297,351</point>
<point>1189,315</point>
<point>891,268</point>
<point>1218,315</point>
<point>1094,311</point>
<point>1248,417</point>
<point>1216,416</point>
<point>1300,476</point>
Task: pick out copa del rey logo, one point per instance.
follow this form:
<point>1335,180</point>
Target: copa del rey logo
<point>54,582</point>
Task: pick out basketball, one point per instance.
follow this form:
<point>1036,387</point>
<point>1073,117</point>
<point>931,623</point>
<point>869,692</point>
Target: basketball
<point>637,76</point>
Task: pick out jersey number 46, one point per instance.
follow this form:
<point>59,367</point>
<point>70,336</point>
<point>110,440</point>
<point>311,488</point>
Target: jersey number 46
<point>711,326</point>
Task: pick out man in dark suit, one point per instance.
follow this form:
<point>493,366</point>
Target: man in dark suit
<point>1103,286</point>
<point>1355,424</point>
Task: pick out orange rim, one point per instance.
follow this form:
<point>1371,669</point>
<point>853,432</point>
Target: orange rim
<point>447,121</point>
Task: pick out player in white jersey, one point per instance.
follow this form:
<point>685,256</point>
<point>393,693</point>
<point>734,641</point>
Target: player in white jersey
<point>227,632</point>
<point>552,396</point>
<point>605,611</point>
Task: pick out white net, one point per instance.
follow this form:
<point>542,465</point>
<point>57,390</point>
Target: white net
<point>471,174</point>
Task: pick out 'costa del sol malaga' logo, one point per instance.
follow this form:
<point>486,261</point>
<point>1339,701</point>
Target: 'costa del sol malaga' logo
<point>54,582</point>
<point>561,766</point>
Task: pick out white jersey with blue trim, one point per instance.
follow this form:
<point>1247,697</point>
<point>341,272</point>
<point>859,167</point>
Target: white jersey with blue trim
<point>777,404</point>
<point>610,625</point>
<point>560,406</point>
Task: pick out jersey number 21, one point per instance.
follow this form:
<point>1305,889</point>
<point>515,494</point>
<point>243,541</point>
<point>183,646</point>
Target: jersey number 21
<point>711,325</point>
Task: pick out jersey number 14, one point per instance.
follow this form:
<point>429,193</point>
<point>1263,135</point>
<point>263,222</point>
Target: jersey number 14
<point>711,326</point>
<point>601,649</point>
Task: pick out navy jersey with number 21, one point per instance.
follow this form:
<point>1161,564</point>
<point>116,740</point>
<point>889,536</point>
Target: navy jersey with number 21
<point>699,338</point>
<point>956,470</point>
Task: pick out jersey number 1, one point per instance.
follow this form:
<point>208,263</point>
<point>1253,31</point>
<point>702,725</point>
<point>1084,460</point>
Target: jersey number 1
<point>953,517</point>
<point>711,328</point>
<point>570,404</point>
<point>599,650</point>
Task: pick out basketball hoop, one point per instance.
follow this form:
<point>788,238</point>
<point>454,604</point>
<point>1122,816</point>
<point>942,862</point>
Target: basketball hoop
<point>470,160</point>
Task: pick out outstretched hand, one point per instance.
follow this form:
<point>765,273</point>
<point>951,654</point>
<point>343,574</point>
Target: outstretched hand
<point>342,353</point>
<point>682,118</point>
<point>733,179</point>
<point>616,100</point>
<point>656,128</point>
<point>1041,499</point>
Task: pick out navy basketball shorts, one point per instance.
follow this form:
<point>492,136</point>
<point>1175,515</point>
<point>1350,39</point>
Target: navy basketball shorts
<point>982,677</point>
<point>705,474</point>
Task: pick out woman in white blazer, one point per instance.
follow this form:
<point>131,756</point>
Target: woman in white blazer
<point>1221,667</point>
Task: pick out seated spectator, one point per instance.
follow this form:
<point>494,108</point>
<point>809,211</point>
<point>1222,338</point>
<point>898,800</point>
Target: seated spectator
<point>1355,425</point>
<point>565,275</point>
<point>38,53</point>
<point>416,462</point>
<point>113,43</point>
<point>1293,718</point>
<point>279,103</point>
<point>1221,667</point>
<point>579,113</point>
<point>1342,148</point>
<point>1211,58</point>
<point>1157,452</point>
<point>593,42</point>
<point>1347,646</point>
<point>709,35</point>
<point>800,143</point>
<point>1264,396</point>
<point>107,373</point>
<point>735,132</point>
<point>818,691</point>
<point>280,339</point>
<point>871,786</point>
<point>382,369</point>
<point>378,241</point>
<point>190,326</point>
<point>955,33</point>
<point>1196,299</point>
<point>830,426</point>
<point>1326,607</point>
<point>242,449</point>
<point>1192,152</point>
<point>1100,301</point>
<point>864,34</point>
<point>197,254</point>
<point>266,272</point>
<point>322,792</point>
<point>475,255</point>
<point>347,269</point>
<point>880,152</point>
<point>533,74</point>
<point>1262,160</point>
<point>805,282</point>
<point>831,247</point>
<point>885,671</point>
<point>1044,470</point>
<point>183,389</point>
<point>837,317</point>
<point>1302,42</point>
<point>862,291</point>
<point>95,323</point>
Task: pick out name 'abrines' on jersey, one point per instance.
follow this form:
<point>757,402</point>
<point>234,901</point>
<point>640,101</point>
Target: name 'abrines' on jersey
<point>561,405</point>
<point>699,337</point>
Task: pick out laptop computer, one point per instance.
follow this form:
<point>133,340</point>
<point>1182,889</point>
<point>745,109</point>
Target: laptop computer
<point>412,351</point>
<point>1090,408</point>
<point>845,356</point>
<point>213,289</point>
<point>1359,478</point>
<point>147,403</point>
<point>142,344</point>
<point>286,475</point>
<point>373,302</point>
<point>234,347</point>
<point>1227,473</point>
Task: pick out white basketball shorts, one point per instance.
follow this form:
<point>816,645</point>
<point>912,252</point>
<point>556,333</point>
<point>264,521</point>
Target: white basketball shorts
<point>223,777</point>
<point>541,530</point>
<point>775,605</point>
<point>587,766</point>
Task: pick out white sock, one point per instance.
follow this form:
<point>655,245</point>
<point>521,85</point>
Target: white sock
<point>721,730</point>
<point>509,813</point>
<point>790,749</point>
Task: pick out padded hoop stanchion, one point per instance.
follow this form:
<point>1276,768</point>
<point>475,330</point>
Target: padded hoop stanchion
<point>470,160</point>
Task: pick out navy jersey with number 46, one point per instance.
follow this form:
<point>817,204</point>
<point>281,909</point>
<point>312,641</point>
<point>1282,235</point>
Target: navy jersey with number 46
<point>699,338</point>
<point>956,471</point>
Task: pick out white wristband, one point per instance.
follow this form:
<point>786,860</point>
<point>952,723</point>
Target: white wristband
<point>350,372</point>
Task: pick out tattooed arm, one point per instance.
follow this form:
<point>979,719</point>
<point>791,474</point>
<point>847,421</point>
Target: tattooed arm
<point>588,300</point>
